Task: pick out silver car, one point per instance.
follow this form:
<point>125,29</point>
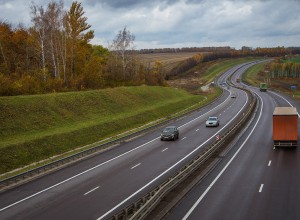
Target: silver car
<point>212,122</point>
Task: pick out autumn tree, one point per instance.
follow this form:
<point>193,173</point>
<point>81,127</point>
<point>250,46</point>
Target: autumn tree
<point>76,24</point>
<point>6,33</point>
<point>123,50</point>
<point>156,75</point>
<point>39,31</point>
<point>54,19</point>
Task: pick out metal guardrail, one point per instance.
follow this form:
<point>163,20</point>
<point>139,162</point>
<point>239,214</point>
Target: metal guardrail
<point>53,166</point>
<point>143,206</point>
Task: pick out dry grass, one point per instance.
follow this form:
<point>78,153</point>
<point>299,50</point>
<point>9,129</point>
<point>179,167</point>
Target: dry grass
<point>168,60</point>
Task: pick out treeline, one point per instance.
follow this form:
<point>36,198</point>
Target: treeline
<point>206,57</point>
<point>185,49</point>
<point>279,69</point>
<point>55,54</point>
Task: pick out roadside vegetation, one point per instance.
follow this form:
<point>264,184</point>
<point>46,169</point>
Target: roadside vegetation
<point>252,76</point>
<point>34,128</point>
<point>221,66</point>
<point>280,74</point>
<point>197,78</point>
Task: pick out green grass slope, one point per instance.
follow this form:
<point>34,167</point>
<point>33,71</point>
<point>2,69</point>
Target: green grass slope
<point>34,128</point>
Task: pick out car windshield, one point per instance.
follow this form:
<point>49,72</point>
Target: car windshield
<point>169,129</point>
<point>212,119</point>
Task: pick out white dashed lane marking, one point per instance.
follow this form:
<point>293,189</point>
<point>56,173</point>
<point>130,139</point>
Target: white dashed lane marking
<point>261,188</point>
<point>91,191</point>
<point>135,166</point>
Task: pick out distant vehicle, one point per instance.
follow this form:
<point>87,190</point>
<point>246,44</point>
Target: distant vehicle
<point>285,127</point>
<point>263,87</point>
<point>169,133</point>
<point>233,95</point>
<point>238,80</point>
<point>212,122</point>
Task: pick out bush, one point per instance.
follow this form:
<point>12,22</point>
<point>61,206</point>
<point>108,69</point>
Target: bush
<point>5,85</point>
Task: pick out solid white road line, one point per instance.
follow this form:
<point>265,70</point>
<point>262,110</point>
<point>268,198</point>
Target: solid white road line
<point>261,188</point>
<point>223,170</point>
<point>135,166</point>
<point>91,191</point>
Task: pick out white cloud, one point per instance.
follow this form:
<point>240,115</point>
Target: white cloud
<point>183,23</point>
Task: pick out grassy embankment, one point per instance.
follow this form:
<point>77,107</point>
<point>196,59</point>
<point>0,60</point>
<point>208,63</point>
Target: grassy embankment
<point>34,128</point>
<point>222,66</point>
<point>251,75</point>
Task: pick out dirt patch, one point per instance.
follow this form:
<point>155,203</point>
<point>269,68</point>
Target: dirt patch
<point>192,80</point>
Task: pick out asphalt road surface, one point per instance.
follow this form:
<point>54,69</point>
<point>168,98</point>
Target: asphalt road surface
<point>255,180</point>
<point>100,186</point>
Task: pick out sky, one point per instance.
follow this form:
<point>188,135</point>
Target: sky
<point>182,23</point>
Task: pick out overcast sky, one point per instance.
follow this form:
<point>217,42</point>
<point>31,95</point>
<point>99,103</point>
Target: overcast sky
<point>183,23</point>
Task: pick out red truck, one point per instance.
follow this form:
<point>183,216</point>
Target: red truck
<point>285,127</point>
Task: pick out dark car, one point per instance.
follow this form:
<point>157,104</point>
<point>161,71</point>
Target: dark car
<point>169,133</point>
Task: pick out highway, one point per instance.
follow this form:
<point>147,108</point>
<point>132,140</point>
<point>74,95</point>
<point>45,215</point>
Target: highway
<point>254,180</point>
<point>100,186</point>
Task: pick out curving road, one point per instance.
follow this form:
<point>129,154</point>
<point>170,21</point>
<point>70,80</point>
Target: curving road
<point>254,180</point>
<point>100,186</point>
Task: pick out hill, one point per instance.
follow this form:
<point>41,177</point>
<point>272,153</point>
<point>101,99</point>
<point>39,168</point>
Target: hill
<point>36,127</point>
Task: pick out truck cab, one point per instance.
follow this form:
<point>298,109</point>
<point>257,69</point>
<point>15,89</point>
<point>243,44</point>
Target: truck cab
<point>263,87</point>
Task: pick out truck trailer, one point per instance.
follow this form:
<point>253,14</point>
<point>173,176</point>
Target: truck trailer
<point>285,127</point>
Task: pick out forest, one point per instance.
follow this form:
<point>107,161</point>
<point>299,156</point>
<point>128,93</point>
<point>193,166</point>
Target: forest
<point>54,54</point>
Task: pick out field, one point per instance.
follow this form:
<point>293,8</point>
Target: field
<point>293,60</point>
<point>36,127</point>
<point>169,60</point>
